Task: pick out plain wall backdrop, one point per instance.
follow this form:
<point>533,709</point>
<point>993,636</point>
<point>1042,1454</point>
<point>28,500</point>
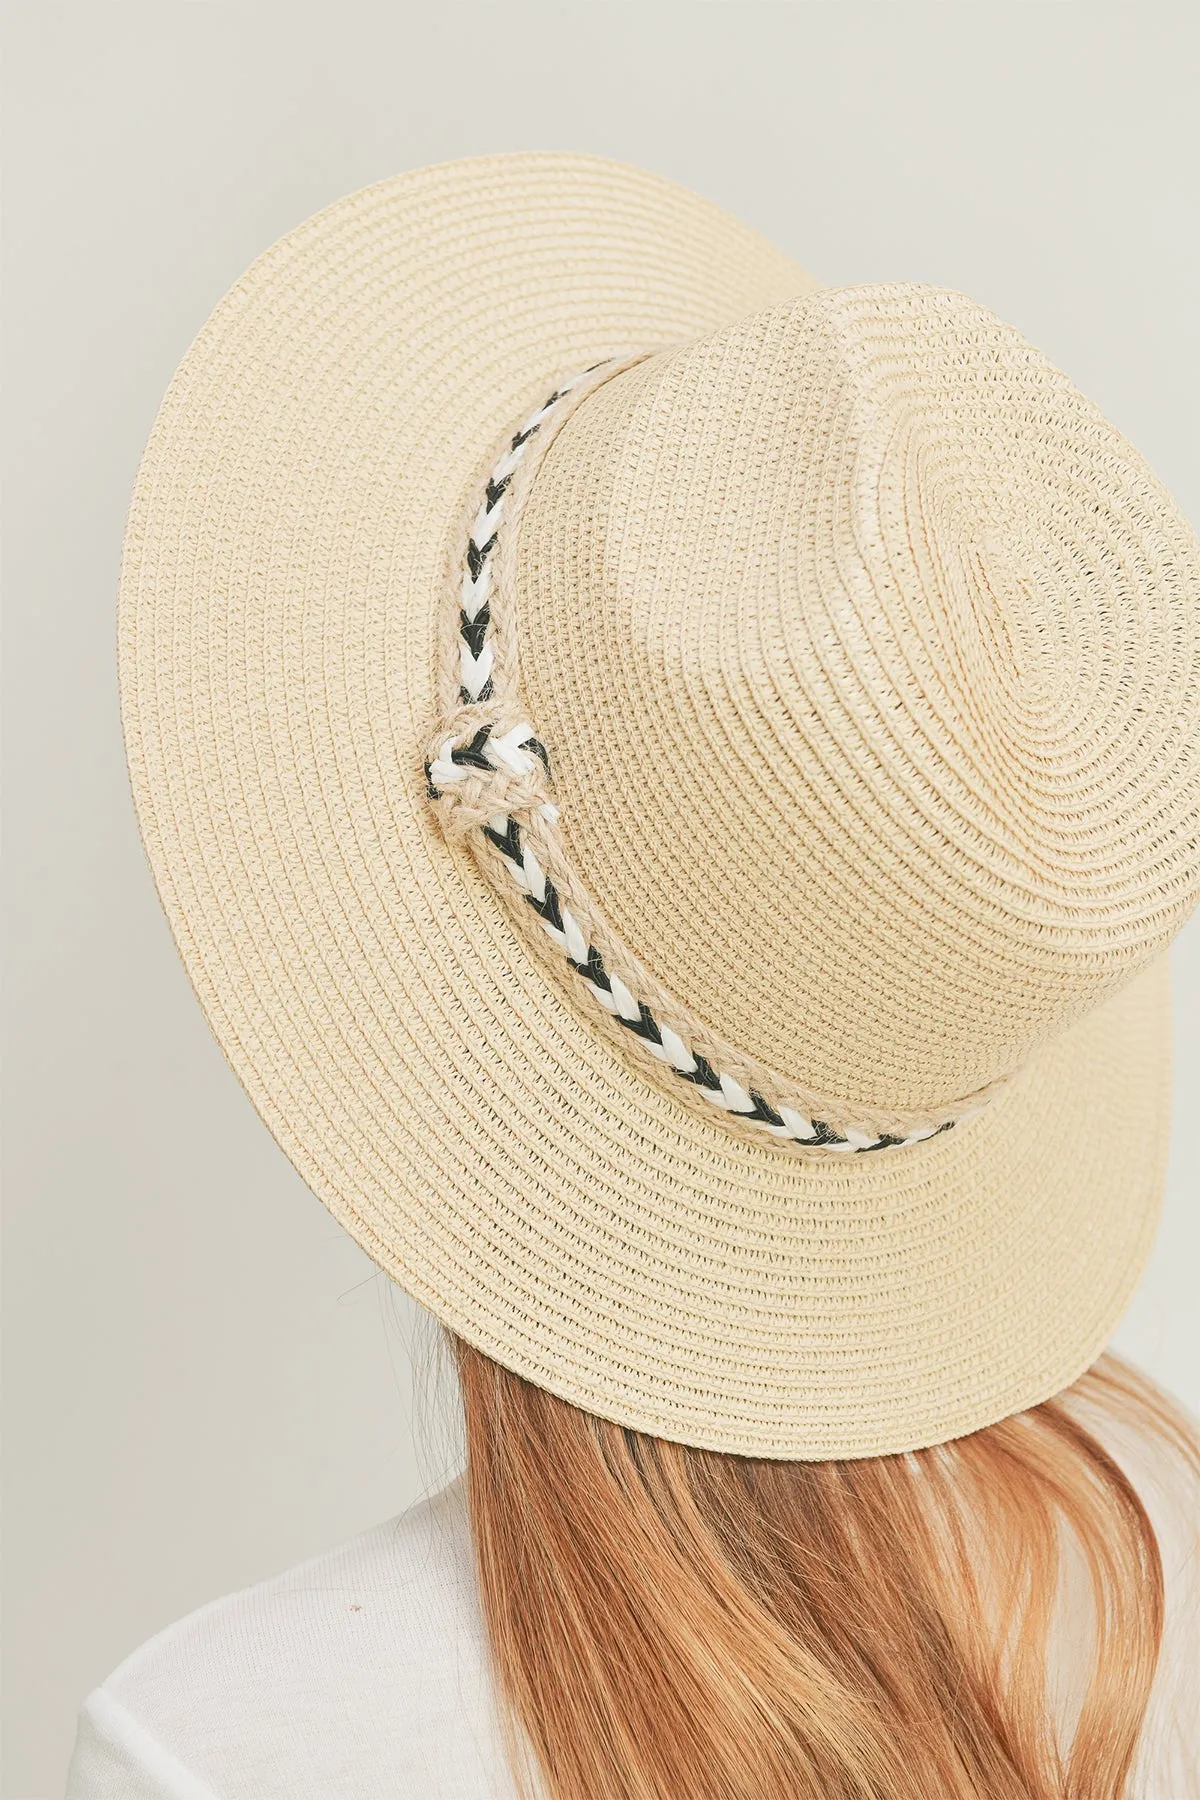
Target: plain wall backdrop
<point>206,1379</point>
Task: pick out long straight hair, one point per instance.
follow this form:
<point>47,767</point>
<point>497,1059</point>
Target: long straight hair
<point>983,1619</point>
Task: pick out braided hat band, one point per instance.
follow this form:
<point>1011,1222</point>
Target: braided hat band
<point>488,774</point>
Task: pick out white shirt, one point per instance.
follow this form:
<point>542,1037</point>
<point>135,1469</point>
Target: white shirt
<point>361,1675</point>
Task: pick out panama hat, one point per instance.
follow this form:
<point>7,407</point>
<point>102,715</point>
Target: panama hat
<point>673,786</point>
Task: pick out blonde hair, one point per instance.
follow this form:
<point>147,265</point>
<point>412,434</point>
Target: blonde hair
<point>669,1623</point>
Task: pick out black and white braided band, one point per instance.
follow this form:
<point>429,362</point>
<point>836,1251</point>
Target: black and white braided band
<point>505,750</point>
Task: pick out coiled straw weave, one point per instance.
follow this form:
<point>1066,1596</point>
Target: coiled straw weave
<point>866,654</point>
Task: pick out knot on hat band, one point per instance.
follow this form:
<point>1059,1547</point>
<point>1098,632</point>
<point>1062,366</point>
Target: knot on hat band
<point>486,761</point>
<point>488,776</point>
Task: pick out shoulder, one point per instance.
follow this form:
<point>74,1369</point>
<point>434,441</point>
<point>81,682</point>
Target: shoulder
<point>395,1585</point>
<point>363,1670</point>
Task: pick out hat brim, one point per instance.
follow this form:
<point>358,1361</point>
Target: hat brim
<point>285,568</point>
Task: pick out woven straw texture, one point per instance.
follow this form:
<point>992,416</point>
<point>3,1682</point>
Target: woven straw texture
<point>866,655</point>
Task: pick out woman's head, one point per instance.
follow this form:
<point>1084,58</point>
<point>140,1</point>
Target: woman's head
<point>674,785</point>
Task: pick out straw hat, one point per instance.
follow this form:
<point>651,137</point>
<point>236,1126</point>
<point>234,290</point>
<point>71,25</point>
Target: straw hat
<point>673,786</point>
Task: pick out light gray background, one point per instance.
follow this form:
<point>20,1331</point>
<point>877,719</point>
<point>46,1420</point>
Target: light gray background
<point>206,1380</point>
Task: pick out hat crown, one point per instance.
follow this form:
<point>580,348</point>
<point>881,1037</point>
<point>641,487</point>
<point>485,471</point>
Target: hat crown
<point>866,652</point>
